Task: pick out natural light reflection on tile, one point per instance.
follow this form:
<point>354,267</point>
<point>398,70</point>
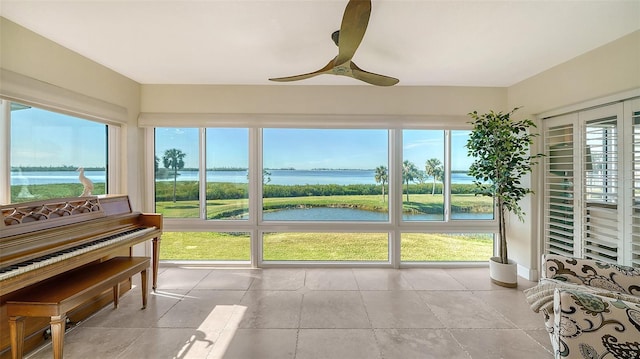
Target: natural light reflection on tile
<point>214,335</point>
<point>170,295</point>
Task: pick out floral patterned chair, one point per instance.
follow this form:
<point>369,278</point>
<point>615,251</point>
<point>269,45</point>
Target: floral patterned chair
<point>591,308</point>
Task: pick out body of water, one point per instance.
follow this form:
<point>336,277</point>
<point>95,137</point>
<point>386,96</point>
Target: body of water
<point>52,177</point>
<point>279,177</point>
<point>351,214</point>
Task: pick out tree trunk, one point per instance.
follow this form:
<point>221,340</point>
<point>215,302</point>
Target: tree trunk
<point>175,183</point>
<point>407,191</point>
<point>503,233</point>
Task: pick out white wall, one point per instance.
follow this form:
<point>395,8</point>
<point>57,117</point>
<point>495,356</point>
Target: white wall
<point>301,99</point>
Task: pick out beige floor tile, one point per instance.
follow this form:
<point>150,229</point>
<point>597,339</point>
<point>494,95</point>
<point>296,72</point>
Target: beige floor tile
<point>380,279</point>
<point>228,279</point>
<point>511,303</point>
<point>170,343</point>
<point>130,315</point>
<point>255,343</point>
<point>279,279</point>
<point>337,343</point>
<point>542,337</point>
<point>84,342</point>
<point>473,278</point>
<point>461,309</point>
<point>333,309</point>
<point>419,344</point>
<point>499,343</point>
<point>271,309</point>
<point>180,278</point>
<point>197,305</point>
<point>431,279</point>
<point>314,313</point>
<point>331,279</point>
<point>398,309</point>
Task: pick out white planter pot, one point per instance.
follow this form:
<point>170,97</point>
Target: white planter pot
<point>505,275</point>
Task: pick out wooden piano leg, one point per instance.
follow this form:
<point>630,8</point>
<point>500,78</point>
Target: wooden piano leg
<point>145,287</point>
<point>16,329</point>
<point>116,295</point>
<point>57,334</point>
<point>156,260</point>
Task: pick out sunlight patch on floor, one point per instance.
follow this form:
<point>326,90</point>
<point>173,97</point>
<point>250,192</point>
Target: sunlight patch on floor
<point>214,335</point>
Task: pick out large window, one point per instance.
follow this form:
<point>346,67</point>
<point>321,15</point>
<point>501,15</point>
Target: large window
<point>325,175</point>
<point>51,154</point>
<point>227,151</point>
<point>423,175</point>
<point>278,195</point>
<point>177,163</point>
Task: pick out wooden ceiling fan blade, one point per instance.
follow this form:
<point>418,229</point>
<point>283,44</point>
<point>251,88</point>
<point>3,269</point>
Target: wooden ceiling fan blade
<point>326,69</point>
<point>354,24</point>
<point>372,78</point>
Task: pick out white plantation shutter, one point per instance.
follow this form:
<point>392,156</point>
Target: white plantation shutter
<point>592,183</point>
<point>600,189</point>
<point>635,189</point>
<point>559,188</point>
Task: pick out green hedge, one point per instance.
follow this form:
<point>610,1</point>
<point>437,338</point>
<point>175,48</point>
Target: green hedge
<point>188,190</point>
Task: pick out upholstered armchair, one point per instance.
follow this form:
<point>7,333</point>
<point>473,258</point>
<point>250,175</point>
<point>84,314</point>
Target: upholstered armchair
<point>591,308</point>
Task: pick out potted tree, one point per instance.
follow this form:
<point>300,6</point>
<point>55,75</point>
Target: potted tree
<point>500,147</point>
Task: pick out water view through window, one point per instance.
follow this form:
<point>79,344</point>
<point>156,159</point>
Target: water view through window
<point>325,175</point>
<point>48,152</point>
<point>311,176</point>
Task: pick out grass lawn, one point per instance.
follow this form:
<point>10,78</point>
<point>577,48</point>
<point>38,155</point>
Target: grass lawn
<point>326,246</point>
<point>281,246</point>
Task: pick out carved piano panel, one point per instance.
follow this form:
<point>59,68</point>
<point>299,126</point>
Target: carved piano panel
<point>39,240</point>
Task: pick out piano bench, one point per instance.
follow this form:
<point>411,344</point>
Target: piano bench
<point>57,296</point>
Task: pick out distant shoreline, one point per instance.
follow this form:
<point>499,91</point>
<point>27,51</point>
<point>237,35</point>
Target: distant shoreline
<point>217,169</point>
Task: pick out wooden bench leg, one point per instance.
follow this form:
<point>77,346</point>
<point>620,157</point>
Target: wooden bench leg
<point>145,286</point>
<point>16,329</point>
<point>57,334</point>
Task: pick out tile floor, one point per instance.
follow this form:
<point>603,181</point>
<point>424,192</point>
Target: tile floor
<point>315,313</point>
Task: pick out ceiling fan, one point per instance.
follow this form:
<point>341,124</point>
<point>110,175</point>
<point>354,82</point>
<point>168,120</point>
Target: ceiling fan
<point>348,38</point>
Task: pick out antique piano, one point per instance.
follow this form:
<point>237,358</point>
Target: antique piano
<point>42,239</point>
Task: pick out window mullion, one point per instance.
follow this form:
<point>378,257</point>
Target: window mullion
<point>202,173</point>
<point>446,184</point>
<point>5,138</point>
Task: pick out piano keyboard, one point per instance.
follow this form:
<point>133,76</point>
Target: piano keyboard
<point>23,267</point>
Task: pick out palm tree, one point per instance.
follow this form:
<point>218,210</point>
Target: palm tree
<point>382,176</point>
<point>409,173</point>
<point>433,167</point>
<point>174,159</point>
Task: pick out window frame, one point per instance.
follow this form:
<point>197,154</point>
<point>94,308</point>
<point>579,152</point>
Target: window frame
<point>256,227</point>
<point>113,142</point>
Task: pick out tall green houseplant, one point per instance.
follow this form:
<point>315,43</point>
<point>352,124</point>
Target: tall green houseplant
<point>500,147</point>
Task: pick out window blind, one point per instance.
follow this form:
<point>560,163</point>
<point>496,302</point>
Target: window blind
<point>559,196</point>
<point>635,190</point>
<point>600,189</point>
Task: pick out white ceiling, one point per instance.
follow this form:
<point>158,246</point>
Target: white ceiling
<point>423,43</point>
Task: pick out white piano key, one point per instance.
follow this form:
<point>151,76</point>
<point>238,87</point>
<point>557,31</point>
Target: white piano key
<point>97,244</point>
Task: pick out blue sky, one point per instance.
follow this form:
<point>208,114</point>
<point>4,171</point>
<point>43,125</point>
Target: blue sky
<point>312,148</point>
<point>42,138</point>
